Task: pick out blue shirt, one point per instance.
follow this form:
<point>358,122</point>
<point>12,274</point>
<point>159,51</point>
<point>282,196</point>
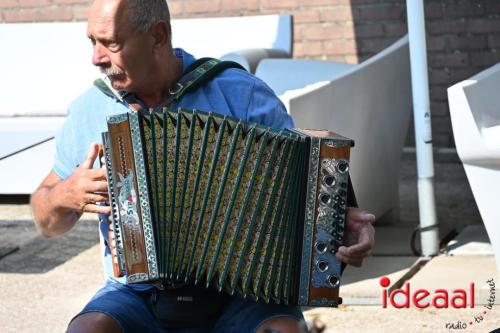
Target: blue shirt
<point>233,92</point>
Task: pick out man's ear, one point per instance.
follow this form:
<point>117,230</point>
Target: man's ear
<point>161,34</point>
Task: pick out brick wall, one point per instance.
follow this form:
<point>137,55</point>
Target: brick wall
<point>463,38</point>
<point>463,35</point>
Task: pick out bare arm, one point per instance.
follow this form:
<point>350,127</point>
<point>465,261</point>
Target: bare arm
<point>58,204</point>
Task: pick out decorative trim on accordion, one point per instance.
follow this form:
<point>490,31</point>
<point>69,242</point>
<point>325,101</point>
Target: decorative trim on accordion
<point>312,183</point>
<point>335,144</point>
<point>147,223</point>
<point>115,215</point>
<point>138,277</point>
<point>118,118</point>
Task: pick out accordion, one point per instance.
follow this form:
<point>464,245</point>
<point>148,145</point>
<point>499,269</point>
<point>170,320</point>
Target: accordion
<point>198,198</point>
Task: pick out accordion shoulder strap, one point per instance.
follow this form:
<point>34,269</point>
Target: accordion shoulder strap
<point>197,74</point>
<point>200,72</point>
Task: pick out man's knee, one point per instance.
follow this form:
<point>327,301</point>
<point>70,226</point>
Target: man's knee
<point>95,322</point>
<point>280,325</point>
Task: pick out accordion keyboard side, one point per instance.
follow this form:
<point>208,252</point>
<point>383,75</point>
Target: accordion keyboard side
<point>127,197</point>
<point>324,217</point>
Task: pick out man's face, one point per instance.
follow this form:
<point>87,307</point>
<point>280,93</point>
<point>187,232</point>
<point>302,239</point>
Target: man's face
<point>122,54</point>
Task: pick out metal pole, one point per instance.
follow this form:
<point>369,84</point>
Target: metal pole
<point>423,131</point>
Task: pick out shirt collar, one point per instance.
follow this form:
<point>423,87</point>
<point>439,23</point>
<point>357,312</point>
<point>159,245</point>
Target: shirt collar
<point>187,59</point>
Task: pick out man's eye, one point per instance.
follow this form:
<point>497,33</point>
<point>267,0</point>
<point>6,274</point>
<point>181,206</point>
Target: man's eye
<point>113,46</point>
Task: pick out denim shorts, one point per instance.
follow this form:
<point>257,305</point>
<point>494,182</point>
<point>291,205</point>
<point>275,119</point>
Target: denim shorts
<point>130,309</point>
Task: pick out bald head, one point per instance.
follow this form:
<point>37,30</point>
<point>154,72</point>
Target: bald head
<point>142,14</point>
<point>111,13</point>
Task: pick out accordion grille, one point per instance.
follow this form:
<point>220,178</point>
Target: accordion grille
<point>221,211</point>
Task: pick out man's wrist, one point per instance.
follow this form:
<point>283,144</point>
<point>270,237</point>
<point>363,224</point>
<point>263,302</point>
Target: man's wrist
<point>63,216</point>
<point>56,198</point>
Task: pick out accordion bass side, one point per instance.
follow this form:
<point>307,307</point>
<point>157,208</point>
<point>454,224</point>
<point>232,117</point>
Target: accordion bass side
<point>246,209</point>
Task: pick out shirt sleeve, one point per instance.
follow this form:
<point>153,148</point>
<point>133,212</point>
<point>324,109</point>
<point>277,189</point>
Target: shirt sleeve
<point>265,108</point>
<point>63,161</point>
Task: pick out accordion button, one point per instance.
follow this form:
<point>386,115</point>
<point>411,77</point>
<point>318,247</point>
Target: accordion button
<point>328,180</point>
<point>322,266</point>
<point>333,281</point>
<point>321,247</point>
<point>342,166</point>
<point>324,198</point>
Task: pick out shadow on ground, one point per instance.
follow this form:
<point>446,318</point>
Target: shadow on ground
<point>36,254</point>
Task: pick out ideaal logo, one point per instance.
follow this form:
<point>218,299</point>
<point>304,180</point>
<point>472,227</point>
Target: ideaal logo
<point>439,299</point>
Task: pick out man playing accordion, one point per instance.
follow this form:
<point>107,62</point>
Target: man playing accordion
<point>132,47</point>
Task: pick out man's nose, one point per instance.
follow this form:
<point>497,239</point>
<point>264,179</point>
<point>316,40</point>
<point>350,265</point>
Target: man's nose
<point>99,55</point>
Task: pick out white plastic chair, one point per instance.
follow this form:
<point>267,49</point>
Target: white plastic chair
<point>475,117</point>
<point>310,72</point>
<point>369,102</point>
<point>244,39</point>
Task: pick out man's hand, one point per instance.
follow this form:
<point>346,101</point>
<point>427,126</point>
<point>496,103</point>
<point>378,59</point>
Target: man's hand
<point>86,186</point>
<point>359,237</point>
<point>58,204</point>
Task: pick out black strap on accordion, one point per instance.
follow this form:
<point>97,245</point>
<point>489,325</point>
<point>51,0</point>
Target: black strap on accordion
<point>200,72</point>
<point>197,74</point>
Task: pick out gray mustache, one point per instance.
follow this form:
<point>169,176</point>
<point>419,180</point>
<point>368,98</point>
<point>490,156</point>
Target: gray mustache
<point>110,71</point>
